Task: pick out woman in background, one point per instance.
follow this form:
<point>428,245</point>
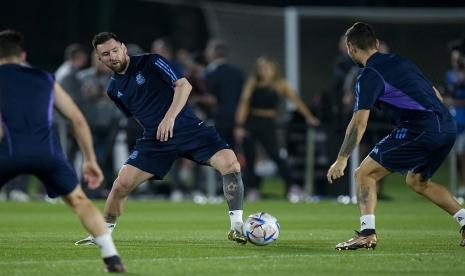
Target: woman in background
<point>256,122</point>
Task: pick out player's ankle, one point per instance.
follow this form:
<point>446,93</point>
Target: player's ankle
<point>367,232</point>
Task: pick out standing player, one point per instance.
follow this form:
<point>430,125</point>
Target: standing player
<point>147,88</point>
<point>424,133</point>
<point>29,146</point>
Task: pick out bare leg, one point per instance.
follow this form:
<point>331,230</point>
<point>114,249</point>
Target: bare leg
<point>128,178</point>
<point>366,177</point>
<point>434,192</point>
<point>89,215</point>
<point>226,163</point>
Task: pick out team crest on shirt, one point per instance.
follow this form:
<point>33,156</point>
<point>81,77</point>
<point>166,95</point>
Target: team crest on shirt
<point>119,94</point>
<point>134,155</point>
<point>140,79</point>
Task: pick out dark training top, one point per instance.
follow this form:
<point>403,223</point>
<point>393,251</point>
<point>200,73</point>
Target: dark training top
<point>146,92</point>
<point>264,98</point>
<point>26,105</point>
<point>398,88</point>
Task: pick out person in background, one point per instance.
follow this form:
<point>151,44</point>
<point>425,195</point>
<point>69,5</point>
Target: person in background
<point>256,122</point>
<point>225,82</point>
<point>455,100</point>
<point>76,58</point>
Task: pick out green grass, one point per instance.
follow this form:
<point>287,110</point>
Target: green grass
<point>161,238</point>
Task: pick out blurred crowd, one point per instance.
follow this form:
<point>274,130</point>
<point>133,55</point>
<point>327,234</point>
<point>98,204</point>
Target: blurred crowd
<point>251,112</point>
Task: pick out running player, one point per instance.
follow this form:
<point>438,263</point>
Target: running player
<point>423,136</point>
<point>147,88</point>
<point>29,146</point>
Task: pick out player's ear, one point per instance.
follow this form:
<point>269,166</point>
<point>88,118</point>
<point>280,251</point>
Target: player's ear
<point>97,56</point>
<point>125,49</point>
<point>377,44</point>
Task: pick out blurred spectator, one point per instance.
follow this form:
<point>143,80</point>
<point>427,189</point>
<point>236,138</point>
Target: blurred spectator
<point>225,82</point>
<point>164,48</point>
<point>76,58</point>
<point>455,100</point>
<point>256,122</point>
<point>102,115</point>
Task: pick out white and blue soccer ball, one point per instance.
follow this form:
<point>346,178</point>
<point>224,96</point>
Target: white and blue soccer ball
<point>261,228</point>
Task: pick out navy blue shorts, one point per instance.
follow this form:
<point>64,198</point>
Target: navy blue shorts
<point>406,150</point>
<point>197,143</point>
<point>55,172</point>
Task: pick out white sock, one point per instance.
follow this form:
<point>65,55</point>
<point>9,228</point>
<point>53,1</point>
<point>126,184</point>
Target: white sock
<point>460,217</point>
<point>111,227</point>
<point>367,222</point>
<point>236,219</point>
<point>107,247</point>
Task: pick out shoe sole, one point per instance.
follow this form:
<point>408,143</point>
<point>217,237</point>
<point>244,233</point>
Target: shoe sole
<point>368,247</point>
<point>84,243</point>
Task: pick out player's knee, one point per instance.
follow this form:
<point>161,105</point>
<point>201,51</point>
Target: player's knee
<point>122,186</point>
<point>76,200</point>
<point>416,183</point>
<point>231,165</point>
<point>359,174</point>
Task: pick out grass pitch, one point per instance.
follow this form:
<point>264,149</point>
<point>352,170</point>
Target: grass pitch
<point>162,238</point>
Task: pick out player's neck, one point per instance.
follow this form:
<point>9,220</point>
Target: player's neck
<point>366,55</point>
<point>11,60</point>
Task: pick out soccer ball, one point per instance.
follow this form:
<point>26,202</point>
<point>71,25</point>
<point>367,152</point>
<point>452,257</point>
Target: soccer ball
<point>261,228</point>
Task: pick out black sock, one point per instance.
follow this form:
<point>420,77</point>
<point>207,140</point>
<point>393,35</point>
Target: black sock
<point>367,232</point>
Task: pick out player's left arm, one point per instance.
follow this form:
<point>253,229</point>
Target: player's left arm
<point>182,90</point>
<point>301,107</point>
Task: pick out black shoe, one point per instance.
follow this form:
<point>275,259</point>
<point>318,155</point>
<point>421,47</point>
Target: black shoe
<point>114,264</point>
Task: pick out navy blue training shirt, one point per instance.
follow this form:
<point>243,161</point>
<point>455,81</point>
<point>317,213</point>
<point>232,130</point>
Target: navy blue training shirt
<point>26,105</point>
<point>399,89</point>
<point>146,92</point>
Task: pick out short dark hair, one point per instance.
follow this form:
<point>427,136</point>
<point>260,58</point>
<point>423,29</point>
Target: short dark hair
<point>73,50</point>
<point>103,37</point>
<point>11,43</point>
<point>362,35</point>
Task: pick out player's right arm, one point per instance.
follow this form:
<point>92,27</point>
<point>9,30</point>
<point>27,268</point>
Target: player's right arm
<point>65,105</point>
<point>368,87</point>
<point>243,110</point>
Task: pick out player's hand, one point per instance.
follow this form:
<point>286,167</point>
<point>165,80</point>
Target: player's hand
<point>337,169</point>
<point>313,121</point>
<point>92,174</point>
<point>165,129</point>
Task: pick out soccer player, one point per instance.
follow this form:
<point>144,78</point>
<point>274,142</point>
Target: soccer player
<point>147,88</point>
<point>29,146</point>
<point>423,136</point>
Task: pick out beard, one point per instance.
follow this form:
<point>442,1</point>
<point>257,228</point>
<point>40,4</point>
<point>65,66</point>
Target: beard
<point>118,66</point>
